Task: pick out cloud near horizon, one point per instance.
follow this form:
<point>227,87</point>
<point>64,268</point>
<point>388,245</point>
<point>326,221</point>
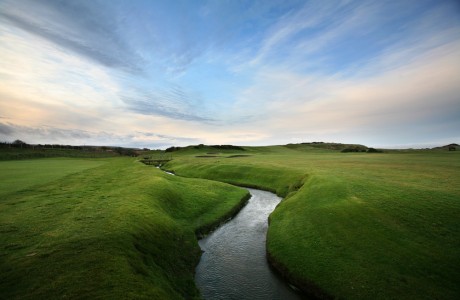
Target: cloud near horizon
<point>43,135</point>
<point>156,74</point>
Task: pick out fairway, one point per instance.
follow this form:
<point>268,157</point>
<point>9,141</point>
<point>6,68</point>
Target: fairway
<point>23,174</point>
<point>353,225</point>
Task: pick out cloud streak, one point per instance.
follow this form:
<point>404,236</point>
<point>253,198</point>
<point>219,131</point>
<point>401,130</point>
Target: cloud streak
<point>412,102</point>
<point>151,104</point>
<point>52,135</point>
<point>73,26</point>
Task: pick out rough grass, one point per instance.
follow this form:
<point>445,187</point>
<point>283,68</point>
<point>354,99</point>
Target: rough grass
<point>362,225</point>
<point>105,229</point>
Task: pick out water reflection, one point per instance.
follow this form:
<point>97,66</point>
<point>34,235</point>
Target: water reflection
<point>234,264</point>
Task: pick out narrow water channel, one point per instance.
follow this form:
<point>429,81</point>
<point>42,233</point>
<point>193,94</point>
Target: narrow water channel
<point>234,264</point>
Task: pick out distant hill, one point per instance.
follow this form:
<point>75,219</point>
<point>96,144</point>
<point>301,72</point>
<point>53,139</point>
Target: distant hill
<point>22,150</point>
<point>450,147</point>
<point>329,146</point>
<point>206,147</point>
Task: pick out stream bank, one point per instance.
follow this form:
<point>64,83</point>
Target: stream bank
<point>234,264</point>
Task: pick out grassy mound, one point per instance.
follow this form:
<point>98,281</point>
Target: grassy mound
<point>354,225</point>
<point>104,229</point>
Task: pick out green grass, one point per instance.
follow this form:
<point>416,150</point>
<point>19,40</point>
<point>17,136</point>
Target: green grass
<point>21,175</point>
<point>103,229</point>
<point>356,225</point>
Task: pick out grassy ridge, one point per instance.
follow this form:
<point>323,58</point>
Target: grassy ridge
<point>239,168</point>
<point>115,229</point>
<point>362,225</point>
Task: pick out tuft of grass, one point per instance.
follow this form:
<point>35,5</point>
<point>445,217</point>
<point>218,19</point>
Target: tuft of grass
<point>104,229</point>
<point>354,225</point>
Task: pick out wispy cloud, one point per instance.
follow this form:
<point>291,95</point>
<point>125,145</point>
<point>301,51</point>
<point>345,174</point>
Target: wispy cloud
<point>311,16</point>
<point>327,37</point>
<point>46,134</point>
<point>76,27</point>
<point>171,101</point>
<point>416,99</point>
<point>148,105</point>
<point>387,92</point>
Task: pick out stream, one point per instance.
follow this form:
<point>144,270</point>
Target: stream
<point>233,264</point>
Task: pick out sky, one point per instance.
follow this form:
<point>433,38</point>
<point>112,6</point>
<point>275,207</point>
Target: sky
<point>154,74</point>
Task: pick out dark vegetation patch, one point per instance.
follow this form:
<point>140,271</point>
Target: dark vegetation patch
<point>206,147</point>
<point>228,147</point>
<point>173,149</point>
<point>356,149</point>
<point>326,146</point>
<point>373,150</point>
<point>238,155</point>
<point>206,156</point>
<point>450,147</point>
<point>345,148</point>
<point>351,149</point>
<point>22,150</point>
<point>156,158</point>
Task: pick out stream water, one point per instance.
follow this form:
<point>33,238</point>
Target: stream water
<point>234,264</point>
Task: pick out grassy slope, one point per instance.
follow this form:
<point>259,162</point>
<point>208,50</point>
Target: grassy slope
<point>363,225</point>
<point>117,230</point>
<point>256,169</point>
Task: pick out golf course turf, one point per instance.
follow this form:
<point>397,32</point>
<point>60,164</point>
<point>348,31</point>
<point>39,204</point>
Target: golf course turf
<point>354,225</point>
<point>351,225</point>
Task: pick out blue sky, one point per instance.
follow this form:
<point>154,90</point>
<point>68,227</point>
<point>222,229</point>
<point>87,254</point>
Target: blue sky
<point>160,73</point>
